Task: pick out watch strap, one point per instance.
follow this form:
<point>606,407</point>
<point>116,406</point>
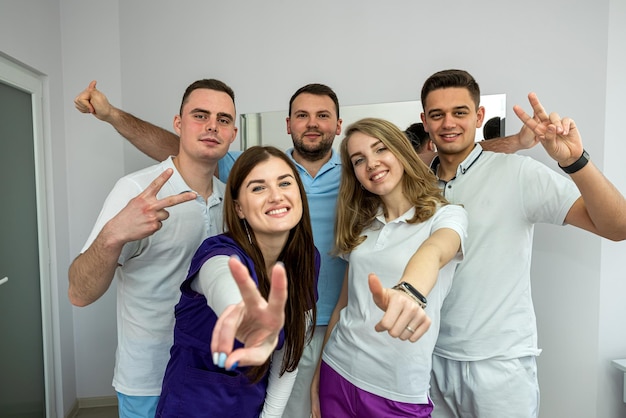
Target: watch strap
<point>412,292</point>
<point>577,165</point>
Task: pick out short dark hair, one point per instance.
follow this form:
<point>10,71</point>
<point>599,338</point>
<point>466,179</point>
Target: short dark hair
<point>318,90</point>
<point>451,78</point>
<point>417,135</point>
<point>206,83</point>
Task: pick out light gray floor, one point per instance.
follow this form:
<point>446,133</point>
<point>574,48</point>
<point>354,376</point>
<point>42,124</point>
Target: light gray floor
<point>101,412</point>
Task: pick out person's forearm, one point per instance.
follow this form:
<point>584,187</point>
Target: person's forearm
<point>605,205</point>
<point>506,145</point>
<point>150,139</point>
<point>278,387</point>
<point>423,267</point>
<point>92,272</point>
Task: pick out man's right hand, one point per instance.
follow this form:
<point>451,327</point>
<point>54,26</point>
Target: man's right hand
<point>144,214</point>
<point>91,100</point>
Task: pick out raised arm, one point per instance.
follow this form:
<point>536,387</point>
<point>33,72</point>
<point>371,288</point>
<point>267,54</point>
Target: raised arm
<point>91,273</point>
<point>524,139</point>
<point>404,318</point>
<point>601,209</point>
<point>152,140</point>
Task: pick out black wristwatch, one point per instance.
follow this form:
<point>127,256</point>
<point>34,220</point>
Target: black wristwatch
<point>412,292</point>
<point>577,165</point>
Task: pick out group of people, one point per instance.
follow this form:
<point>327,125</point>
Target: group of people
<point>363,283</point>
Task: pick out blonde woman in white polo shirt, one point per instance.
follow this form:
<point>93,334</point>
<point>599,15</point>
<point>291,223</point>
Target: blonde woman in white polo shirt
<point>402,241</point>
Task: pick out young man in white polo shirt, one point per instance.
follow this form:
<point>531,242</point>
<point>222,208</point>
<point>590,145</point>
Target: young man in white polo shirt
<point>484,360</point>
<point>148,230</point>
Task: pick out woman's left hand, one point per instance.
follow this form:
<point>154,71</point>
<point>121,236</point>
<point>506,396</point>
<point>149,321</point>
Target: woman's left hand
<point>254,321</point>
<point>403,317</point>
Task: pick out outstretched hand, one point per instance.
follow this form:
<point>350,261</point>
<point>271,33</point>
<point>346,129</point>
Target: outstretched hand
<point>144,214</point>
<point>254,321</point>
<point>403,317</point>
<point>559,136</point>
<point>91,100</point>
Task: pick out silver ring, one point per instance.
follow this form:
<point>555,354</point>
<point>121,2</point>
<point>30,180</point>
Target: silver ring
<point>411,330</point>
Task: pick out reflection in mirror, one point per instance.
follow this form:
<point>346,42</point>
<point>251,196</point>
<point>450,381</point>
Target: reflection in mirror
<point>270,128</point>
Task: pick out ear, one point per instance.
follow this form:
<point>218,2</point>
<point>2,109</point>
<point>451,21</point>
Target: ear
<point>423,118</point>
<point>480,116</point>
<point>235,130</point>
<point>288,120</point>
<point>338,130</point>
<point>239,210</point>
<point>177,124</point>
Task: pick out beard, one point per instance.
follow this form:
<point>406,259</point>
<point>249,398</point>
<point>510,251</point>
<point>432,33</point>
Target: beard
<point>313,152</point>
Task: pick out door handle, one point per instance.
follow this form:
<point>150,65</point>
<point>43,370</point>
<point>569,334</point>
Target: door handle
<point>3,281</point>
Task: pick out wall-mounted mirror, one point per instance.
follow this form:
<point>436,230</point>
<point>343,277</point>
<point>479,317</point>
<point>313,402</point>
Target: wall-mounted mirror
<point>269,128</point>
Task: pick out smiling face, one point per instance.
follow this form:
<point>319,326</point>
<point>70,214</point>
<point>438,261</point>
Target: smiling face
<point>269,200</point>
<point>375,166</point>
<point>206,125</point>
<point>451,118</point>
<point>313,125</point>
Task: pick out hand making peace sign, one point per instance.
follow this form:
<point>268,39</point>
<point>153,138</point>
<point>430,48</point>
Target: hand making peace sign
<point>144,214</point>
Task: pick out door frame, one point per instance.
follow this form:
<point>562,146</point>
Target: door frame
<point>20,77</point>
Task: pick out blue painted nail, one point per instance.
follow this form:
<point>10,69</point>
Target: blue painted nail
<point>221,360</point>
<point>236,257</point>
<point>233,366</point>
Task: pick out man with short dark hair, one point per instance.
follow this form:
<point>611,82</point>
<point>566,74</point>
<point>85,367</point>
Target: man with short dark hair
<point>484,360</point>
<point>148,249</point>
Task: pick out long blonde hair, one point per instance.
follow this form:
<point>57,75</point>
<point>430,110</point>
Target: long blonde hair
<point>357,208</point>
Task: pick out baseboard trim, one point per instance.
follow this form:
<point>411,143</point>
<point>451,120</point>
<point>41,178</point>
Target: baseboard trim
<point>74,411</point>
<point>96,402</point>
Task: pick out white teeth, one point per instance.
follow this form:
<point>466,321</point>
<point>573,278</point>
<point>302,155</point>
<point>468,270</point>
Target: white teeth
<point>376,177</point>
<point>277,211</point>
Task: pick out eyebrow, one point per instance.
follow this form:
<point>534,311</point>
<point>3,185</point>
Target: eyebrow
<point>462,107</point>
<point>316,112</point>
<point>219,114</point>
<point>371,146</point>
<point>261,181</point>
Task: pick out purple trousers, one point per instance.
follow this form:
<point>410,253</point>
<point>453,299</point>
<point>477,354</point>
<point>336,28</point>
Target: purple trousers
<point>341,399</point>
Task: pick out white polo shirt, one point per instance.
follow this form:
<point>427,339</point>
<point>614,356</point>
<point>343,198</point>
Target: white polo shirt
<point>150,275</point>
<point>489,312</point>
<point>376,362</point>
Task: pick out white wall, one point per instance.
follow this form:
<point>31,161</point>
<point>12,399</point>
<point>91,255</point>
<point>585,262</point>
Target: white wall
<point>30,34</point>
<point>145,52</point>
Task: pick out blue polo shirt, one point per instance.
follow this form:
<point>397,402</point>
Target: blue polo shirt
<point>322,191</point>
<point>225,164</point>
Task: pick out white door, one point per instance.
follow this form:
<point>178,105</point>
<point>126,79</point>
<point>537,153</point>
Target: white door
<point>23,354</point>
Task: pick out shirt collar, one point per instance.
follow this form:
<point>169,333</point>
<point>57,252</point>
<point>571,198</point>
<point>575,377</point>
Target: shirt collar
<point>380,216</point>
<point>465,164</point>
<point>180,186</point>
<point>334,161</point>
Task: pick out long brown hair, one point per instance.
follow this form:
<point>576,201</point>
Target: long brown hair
<point>298,256</point>
<point>357,208</point>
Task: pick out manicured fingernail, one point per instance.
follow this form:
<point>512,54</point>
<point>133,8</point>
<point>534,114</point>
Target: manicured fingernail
<point>221,361</point>
<point>233,366</point>
<point>236,257</point>
<point>215,358</point>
